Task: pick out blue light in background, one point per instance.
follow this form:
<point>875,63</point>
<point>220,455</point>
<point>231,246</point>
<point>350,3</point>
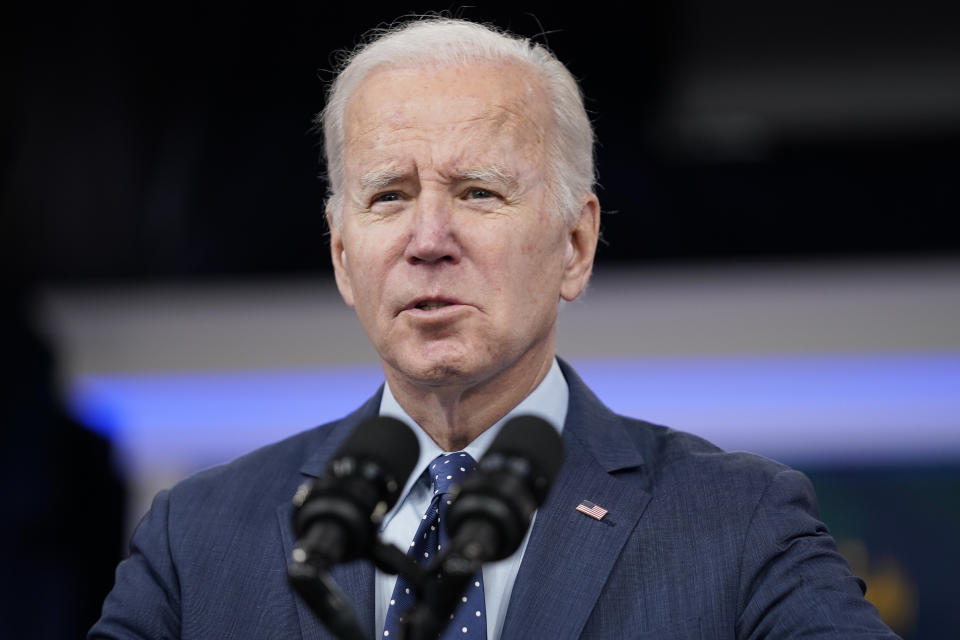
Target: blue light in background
<point>797,408</point>
<point>192,420</point>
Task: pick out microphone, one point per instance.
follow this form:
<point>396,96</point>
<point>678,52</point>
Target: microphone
<point>336,516</point>
<point>490,517</point>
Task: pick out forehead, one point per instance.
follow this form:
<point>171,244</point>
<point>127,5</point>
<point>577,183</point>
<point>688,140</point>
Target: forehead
<point>474,108</point>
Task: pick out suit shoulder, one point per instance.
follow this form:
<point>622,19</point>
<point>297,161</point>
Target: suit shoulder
<point>660,448</point>
<point>673,452</point>
<point>288,452</point>
<point>284,457</point>
<point>260,476</point>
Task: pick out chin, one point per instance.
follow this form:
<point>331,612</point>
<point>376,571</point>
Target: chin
<point>440,372</point>
<point>436,369</point>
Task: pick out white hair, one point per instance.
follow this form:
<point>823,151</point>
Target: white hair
<point>445,41</point>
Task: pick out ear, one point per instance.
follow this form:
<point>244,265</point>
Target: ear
<point>581,247</point>
<point>338,255</point>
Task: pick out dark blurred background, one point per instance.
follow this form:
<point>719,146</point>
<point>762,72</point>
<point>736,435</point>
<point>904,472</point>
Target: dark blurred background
<point>172,143</point>
<point>157,141</point>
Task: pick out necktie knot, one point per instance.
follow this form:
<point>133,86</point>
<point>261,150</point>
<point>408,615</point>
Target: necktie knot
<point>450,469</point>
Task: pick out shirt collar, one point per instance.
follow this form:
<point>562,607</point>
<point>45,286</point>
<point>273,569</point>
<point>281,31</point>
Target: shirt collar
<point>548,400</point>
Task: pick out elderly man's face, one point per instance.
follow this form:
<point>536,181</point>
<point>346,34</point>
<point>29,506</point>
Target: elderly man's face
<point>451,250</point>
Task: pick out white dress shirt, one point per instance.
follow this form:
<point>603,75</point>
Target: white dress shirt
<point>548,401</point>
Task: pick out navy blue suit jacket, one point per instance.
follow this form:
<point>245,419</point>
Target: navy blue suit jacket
<point>698,543</point>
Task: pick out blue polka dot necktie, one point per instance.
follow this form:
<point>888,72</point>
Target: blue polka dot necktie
<point>469,621</point>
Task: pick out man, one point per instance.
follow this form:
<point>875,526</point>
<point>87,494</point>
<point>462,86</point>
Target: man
<point>461,214</point>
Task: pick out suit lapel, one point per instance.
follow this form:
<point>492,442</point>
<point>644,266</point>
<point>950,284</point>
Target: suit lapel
<point>355,578</point>
<point>570,555</point>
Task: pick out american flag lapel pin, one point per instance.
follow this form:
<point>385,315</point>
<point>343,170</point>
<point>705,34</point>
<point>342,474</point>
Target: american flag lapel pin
<point>593,510</point>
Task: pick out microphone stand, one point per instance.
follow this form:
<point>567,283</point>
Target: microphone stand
<point>311,579</point>
<point>438,585</point>
<point>308,572</point>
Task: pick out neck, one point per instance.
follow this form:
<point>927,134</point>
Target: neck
<point>454,414</point>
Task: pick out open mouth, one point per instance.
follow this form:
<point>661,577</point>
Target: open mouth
<point>430,305</point>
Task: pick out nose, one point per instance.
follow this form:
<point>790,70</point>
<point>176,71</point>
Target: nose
<point>433,237</point>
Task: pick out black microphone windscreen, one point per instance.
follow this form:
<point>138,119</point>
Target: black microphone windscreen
<point>533,439</point>
<point>387,441</point>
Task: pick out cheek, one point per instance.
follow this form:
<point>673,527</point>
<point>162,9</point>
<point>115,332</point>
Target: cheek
<point>544,247</point>
<point>529,274</point>
<point>360,262</point>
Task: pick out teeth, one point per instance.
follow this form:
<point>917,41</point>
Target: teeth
<point>431,305</point>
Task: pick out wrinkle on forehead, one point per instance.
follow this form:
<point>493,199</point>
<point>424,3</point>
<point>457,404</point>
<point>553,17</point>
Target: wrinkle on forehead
<point>507,101</point>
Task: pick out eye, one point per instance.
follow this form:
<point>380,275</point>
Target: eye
<point>390,196</point>
<point>477,193</point>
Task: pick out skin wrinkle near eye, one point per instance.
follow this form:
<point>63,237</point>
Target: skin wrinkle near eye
<point>496,179</point>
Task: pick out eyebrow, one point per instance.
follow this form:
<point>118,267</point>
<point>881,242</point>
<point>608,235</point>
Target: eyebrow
<point>494,173</point>
<point>498,174</point>
<point>379,179</point>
